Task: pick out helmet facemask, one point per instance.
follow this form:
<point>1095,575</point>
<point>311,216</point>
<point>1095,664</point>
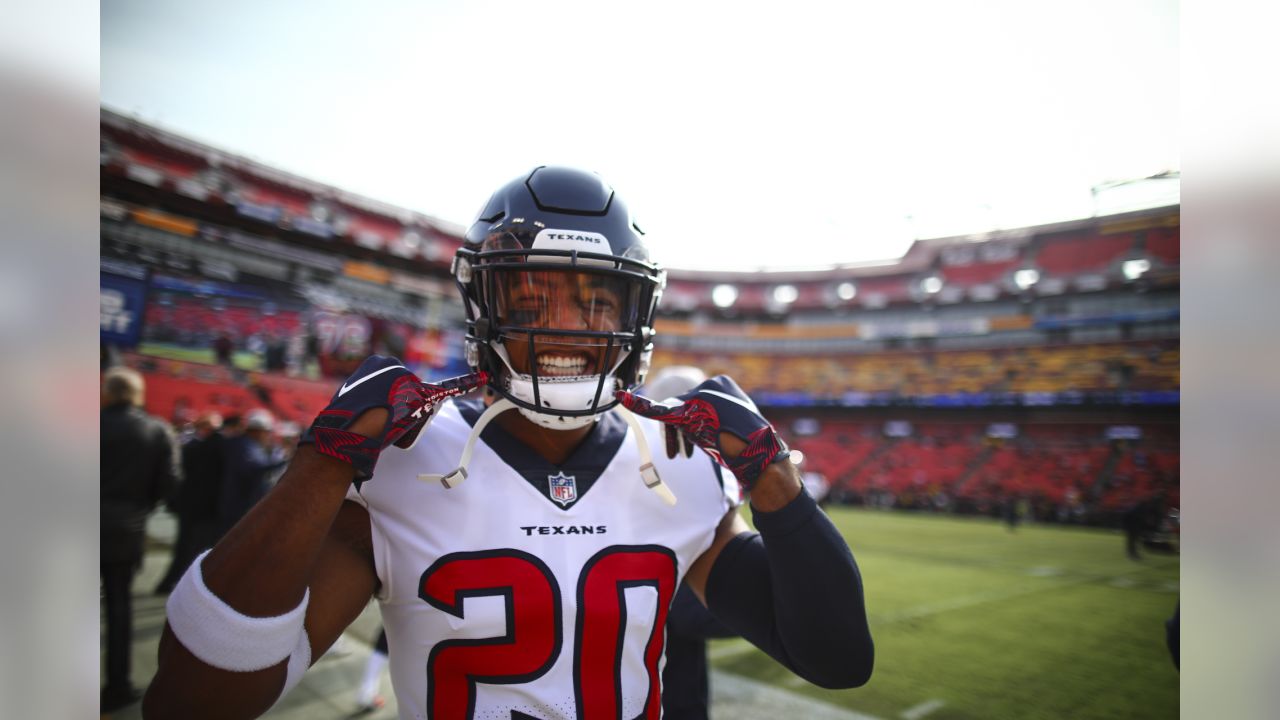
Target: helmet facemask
<point>560,330</point>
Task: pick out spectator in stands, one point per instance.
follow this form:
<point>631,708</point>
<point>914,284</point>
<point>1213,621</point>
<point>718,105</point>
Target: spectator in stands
<point>1010,509</point>
<point>196,502</point>
<point>108,356</point>
<point>222,349</point>
<point>274,358</point>
<point>232,426</point>
<point>139,468</point>
<point>247,467</point>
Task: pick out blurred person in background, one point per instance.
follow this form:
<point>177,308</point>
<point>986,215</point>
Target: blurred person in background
<point>196,500</point>
<point>232,426</point>
<point>287,435</point>
<point>247,468</point>
<point>273,359</point>
<point>139,468</point>
<point>283,448</point>
<point>223,349</point>
<point>369,695</point>
<point>1136,522</point>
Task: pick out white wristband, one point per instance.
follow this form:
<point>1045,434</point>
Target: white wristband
<point>224,638</point>
<point>299,661</point>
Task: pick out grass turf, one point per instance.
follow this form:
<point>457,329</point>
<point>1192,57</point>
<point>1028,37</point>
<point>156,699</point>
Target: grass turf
<point>1043,622</point>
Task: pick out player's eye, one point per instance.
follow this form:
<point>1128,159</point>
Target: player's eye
<point>600,304</point>
<point>524,317</point>
<point>528,309</point>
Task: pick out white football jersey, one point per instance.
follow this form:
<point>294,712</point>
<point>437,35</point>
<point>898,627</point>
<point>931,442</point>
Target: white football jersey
<point>530,590</point>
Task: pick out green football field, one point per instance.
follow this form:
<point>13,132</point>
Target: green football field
<point>973,621</point>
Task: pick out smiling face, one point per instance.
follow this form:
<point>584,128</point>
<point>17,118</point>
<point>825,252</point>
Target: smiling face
<point>533,305</point>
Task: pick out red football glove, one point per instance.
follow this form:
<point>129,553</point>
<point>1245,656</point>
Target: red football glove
<point>715,406</point>
<point>381,382</point>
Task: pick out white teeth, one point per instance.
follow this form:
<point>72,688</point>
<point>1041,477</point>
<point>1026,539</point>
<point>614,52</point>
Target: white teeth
<point>558,365</point>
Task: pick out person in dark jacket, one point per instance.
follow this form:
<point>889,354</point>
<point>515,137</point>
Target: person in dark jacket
<point>1136,523</point>
<point>247,467</point>
<point>139,459</point>
<point>196,502</point>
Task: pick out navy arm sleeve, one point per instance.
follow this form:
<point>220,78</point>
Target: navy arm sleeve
<point>794,591</point>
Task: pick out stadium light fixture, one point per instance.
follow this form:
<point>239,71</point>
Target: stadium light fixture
<point>846,291</point>
<point>1026,277</point>
<point>931,285</point>
<point>1134,269</point>
<point>785,294</point>
<point>724,296</point>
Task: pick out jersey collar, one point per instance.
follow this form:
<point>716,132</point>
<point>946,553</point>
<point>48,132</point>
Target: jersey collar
<point>585,465</point>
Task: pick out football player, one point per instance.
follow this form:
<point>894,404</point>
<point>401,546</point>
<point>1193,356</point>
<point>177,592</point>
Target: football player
<point>525,547</point>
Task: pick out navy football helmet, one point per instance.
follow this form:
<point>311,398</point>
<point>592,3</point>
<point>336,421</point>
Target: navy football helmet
<point>560,295</point>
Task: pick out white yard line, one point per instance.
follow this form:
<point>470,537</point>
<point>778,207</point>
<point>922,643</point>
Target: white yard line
<point>919,711</point>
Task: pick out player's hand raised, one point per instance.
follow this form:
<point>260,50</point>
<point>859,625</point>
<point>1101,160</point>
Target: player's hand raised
<point>381,404</point>
<point>718,417</point>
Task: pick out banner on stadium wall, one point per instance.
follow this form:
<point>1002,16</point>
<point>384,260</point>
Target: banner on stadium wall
<point>1002,430</point>
<point>897,428</point>
<point>923,328</point>
<point>123,268</point>
<point>310,226</point>
<point>258,211</point>
<point>418,285</point>
<point>205,287</point>
<point>366,271</point>
<point>1123,432</point>
<point>342,341</point>
<point>192,188</point>
<point>166,222</point>
<point>113,210</point>
<point>1140,316</point>
<point>277,250</point>
<point>122,301</point>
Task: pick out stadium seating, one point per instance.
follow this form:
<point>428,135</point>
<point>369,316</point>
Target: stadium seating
<point>978,273</point>
<point>179,389</point>
<point>1119,367</point>
<point>194,322</point>
<point>1065,471</point>
<point>1074,255</point>
<point>1164,244</point>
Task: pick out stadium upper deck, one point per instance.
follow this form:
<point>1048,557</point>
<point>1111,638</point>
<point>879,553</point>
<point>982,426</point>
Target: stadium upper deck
<point>203,241</point>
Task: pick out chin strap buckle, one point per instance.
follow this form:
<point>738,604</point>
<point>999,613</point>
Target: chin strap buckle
<point>649,474</point>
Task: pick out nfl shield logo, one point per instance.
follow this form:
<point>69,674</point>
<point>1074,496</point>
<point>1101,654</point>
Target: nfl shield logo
<point>563,488</point>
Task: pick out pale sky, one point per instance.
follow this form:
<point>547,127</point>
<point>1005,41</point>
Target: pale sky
<point>742,134</point>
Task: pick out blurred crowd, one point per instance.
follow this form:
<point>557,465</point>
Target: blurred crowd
<point>208,473</point>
